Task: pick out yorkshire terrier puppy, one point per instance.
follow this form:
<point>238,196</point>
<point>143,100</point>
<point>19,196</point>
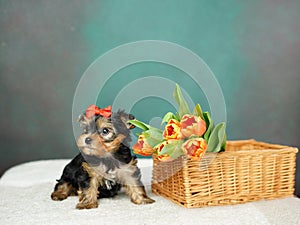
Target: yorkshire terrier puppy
<point>105,163</point>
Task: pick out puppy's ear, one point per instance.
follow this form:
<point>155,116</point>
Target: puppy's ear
<point>84,122</point>
<point>125,117</point>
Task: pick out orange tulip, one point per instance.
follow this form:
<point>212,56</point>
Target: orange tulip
<point>159,148</point>
<point>192,125</point>
<point>142,147</point>
<point>172,130</point>
<point>194,148</point>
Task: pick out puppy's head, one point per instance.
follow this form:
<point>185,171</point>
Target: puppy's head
<point>103,135</point>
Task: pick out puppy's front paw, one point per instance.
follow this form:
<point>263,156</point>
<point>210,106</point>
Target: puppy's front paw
<point>87,205</point>
<point>142,200</point>
<point>58,196</point>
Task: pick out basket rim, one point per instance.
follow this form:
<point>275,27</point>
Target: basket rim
<point>268,146</point>
<point>254,141</point>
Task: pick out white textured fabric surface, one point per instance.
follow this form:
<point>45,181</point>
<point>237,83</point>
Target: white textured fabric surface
<point>25,199</point>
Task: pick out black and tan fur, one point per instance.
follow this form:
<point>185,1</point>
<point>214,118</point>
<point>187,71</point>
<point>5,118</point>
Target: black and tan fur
<point>104,165</point>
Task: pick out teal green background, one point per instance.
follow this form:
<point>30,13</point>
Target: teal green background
<point>252,47</point>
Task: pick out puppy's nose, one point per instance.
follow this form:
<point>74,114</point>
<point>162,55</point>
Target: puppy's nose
<point>88,140</point>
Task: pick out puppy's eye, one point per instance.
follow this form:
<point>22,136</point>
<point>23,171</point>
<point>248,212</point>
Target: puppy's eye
<point>104,131</point>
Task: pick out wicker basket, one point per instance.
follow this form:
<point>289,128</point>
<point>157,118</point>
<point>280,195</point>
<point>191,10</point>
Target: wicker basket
<point>247,171</point>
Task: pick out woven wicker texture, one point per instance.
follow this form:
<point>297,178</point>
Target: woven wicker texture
<point>247,171</point>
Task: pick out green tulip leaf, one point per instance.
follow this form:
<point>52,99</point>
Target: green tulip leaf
<point>198,111</point>
<point>173,149</point>
<point>153,136</point>
<point>216,138</point>
<point>177,117</point>
<point>169,148</point>
<point>167,117</point>
<point>139,124</point>
<point>209,125</point>
<point>177,152</point>
<point>183,107</point>
<point>223,146</point>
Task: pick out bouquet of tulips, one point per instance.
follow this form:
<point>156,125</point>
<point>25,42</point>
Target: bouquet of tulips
<point>185,133</point>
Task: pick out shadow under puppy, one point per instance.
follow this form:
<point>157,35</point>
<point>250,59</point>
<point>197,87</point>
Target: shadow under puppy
<point>105,163</point>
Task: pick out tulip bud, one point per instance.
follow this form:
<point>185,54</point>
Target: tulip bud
<point>194,148</point>
<point>142,147</point>
<point>192,125</point>
<point>163,157</point>
<point>172,130</point>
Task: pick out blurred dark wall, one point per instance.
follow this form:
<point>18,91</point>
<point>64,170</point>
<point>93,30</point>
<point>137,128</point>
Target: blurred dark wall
<point>253,48</point>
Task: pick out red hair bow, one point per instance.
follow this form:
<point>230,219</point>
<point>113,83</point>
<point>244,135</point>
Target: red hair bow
<point>93,110</point>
